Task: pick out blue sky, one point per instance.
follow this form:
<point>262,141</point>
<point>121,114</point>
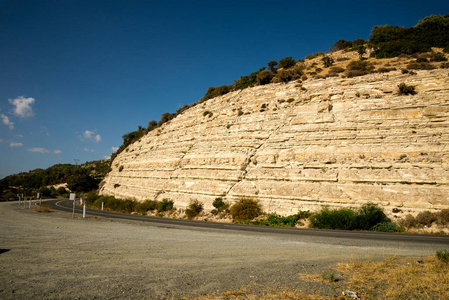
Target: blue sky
<point>76,75</point>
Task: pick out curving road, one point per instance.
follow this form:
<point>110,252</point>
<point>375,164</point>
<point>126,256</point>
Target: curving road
<point>120,256</point>
<point>428,239</point>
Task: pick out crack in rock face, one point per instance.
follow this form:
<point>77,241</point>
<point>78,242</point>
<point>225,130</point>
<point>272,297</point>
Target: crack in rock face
<point>336,142</point>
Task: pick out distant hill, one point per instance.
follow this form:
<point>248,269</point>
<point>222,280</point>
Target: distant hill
<point>84,177</point>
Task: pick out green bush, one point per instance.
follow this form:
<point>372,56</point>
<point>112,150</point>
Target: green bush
<point>405,89</point>
<point>387,227</point>
<point>336,70</point>
<point>442,255</point>
<point>391,41</point>
<point>194,209</point>
<point>279,221</point>
<point>365,218</point>
<point>264,77</point>
<point>312,56</point>
<point>358,68</point>
<point>283,76</point>
<point>213,92</point>
<point>220,206</point>
<point>287,62</point>
<point>327,61</point>
<point>246,81</point>
<point>326,218</point>
<point>165,205</point>
<point>409,221</point>
<point>369,215</point>
<point>420,66</point>
<point>114,204</point>
<point>92,196</point>
<point>245,209</point>
<point>145,206</point>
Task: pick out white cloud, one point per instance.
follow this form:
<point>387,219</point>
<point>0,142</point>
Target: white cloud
<point>88,150</point>
<point>22,106</point>
<point>40,150</point>
<point>92,136</point>
<point>88,134</point>
<point>7,122</point>
<point>114,149</point>
<point>57,152</point>
<point>106,156</point>
<point>13,144</point>
<point>19,135</point>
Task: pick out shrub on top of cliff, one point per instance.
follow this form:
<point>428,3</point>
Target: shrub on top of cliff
<point>391,41</point>
<point>165,205</point>
<point>194,209</point>
<point>312,56</point>
<point>245,209</point>
<point>358,68</point>
<point>272,66</point>
<point>213,92</point>
<point>264,77</point>
<point>246,81</point>
<point>287,62</point>
<point>405,89</point>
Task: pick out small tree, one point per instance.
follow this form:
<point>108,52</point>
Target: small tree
<point>272,65</point>
<point>245,209</point>
<point>287,62</point>
<point>405,89</point>
<point>327,61</point>
<point>194,209</point>
<point>264,77</point>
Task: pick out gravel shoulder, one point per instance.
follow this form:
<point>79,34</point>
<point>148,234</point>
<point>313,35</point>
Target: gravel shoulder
<point>54,256</point>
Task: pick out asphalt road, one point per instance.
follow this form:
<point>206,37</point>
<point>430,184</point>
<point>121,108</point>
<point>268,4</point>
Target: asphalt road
<point>428,239</point>
<point>118,256</point>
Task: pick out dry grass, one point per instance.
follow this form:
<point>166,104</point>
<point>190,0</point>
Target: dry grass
<point>392,278</point>
<point>248,295</point>
<point>397,278</point>
<point>42,208</point>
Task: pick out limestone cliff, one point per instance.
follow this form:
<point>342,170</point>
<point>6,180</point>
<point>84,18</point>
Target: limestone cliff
<point>334,141</point>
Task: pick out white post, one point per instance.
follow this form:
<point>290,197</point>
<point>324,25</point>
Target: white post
<point>102,205</point>
<point>72,197</point>
<point>84,209</point>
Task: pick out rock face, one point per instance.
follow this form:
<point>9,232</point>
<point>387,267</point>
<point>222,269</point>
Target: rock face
<point>334,141</point>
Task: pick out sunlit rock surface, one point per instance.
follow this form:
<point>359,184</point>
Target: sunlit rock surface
<point>335,141</point>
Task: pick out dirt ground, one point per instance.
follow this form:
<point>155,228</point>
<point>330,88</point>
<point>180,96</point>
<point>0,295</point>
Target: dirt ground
<point>52,256</point>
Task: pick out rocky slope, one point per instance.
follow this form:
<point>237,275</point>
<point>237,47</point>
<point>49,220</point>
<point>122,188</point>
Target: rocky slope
<point>334,141</point>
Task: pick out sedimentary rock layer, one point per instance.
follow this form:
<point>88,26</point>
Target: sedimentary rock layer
<point>334,141</point>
